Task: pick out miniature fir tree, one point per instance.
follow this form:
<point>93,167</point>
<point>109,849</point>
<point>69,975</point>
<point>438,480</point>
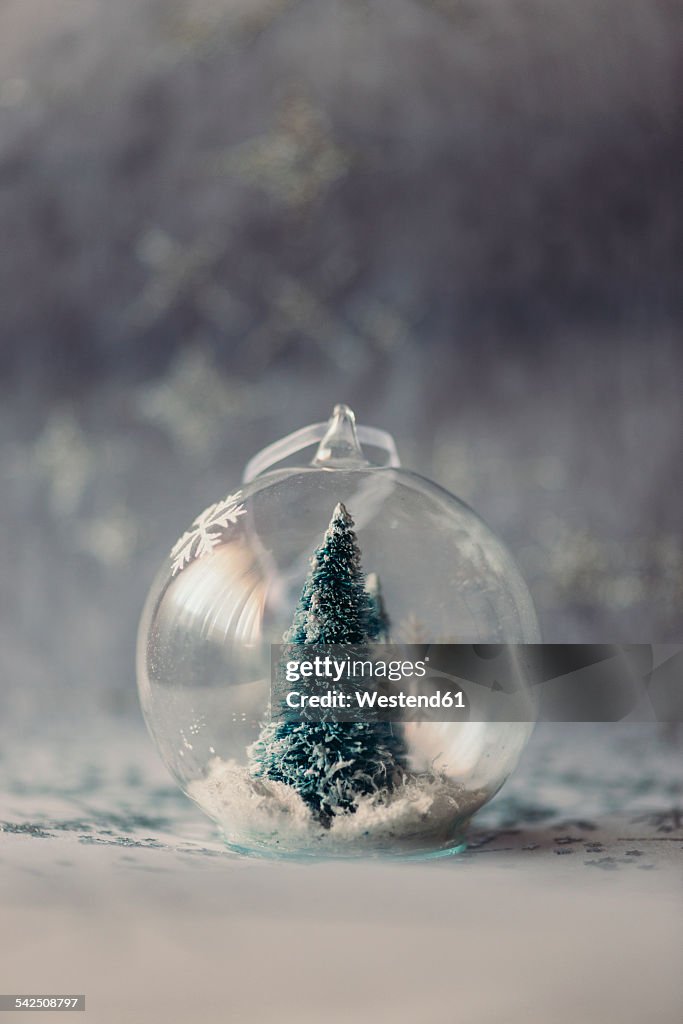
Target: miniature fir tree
<point>332,764</point>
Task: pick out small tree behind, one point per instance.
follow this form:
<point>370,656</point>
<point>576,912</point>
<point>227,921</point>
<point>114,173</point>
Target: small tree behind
<point>378,623</point>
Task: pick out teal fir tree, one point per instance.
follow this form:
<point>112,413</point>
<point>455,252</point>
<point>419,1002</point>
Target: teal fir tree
<point>332,764</point>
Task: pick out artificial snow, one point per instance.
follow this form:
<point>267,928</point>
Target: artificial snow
<point>425,811</point>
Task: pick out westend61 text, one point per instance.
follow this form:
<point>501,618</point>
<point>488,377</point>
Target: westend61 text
<point>370,699</point>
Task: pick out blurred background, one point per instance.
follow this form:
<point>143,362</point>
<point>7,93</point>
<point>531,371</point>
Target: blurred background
<point>221,217</point>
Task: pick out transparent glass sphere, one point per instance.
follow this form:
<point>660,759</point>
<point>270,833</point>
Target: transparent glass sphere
<point>229,590</point>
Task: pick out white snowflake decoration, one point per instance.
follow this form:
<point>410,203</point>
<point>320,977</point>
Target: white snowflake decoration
<point>205,532</point>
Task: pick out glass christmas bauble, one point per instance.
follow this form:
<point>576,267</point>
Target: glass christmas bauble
<point>405,562</point>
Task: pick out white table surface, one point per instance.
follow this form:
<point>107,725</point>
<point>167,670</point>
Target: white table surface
<point>566,906</point>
